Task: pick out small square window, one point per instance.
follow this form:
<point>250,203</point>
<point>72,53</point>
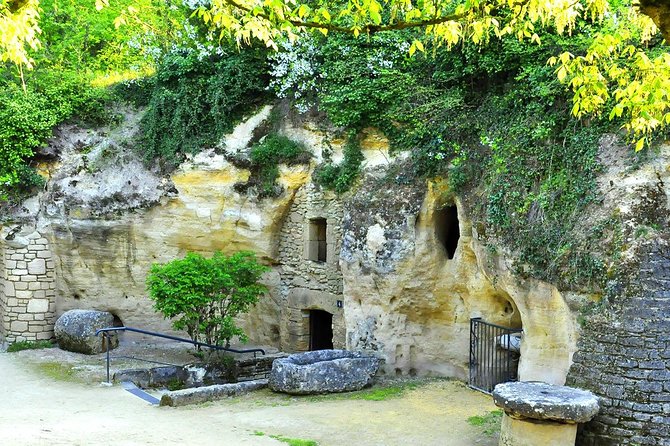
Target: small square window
<point>317,244</point>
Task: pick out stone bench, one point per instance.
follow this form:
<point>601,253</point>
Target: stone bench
<point>541,414</point>
<point>322,371</point>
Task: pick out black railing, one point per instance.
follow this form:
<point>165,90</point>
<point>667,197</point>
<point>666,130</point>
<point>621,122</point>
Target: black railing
<point>494,354</point>
<point>106,334</point>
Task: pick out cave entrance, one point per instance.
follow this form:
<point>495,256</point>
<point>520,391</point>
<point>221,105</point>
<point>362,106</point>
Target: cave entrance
<point>447,229</point>
<point>494,354</point>
<point>320,330</point>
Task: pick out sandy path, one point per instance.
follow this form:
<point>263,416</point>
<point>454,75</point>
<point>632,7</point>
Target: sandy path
<point>37,410</point>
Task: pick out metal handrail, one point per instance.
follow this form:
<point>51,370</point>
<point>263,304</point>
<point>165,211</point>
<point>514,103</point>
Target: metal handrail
<point>105,332</point>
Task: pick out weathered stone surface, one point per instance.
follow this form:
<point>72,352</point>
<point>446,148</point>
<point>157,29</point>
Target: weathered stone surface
<point>140,377</point>
<point>210,393</point>
<point>542,401</point>
<point>75,331</point>
<point>527,432</point>
<point>161,376</point>
<point>38,306</point>
<point>323,371</point>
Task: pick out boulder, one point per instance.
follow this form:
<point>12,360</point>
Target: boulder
<point>542,401</point>
<point>75,331</point>
<point>322,371</point>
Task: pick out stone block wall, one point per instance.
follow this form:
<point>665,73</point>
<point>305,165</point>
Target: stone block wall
<point>27,288</point>
<point>309,284</point>
<point>624,358</point>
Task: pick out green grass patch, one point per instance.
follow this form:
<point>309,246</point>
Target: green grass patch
<point>29,345</point>
<point>294,441</point>
<point>259,433</point>
<point>489,423</point>
<point>57,371</point>
<point>380,393</point>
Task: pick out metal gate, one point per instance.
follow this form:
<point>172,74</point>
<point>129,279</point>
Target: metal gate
<point>493,359</point>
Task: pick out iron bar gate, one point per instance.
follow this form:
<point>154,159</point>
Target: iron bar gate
<point>492,356</point>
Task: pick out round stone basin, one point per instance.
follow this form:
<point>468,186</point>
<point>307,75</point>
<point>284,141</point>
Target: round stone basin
<point>542,401</point>
<point>322,371</point>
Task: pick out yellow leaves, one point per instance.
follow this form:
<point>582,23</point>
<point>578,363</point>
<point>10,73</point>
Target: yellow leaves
<point>19,32</point>
<point>562,73</point>
<point>303,11</point>
<point>99,4</point>
<point>639,145</point>
<point>416,45</point>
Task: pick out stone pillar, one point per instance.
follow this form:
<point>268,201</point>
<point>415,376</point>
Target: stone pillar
<point>541,414</point>
<point>27,287</point>
<point>528,432</point>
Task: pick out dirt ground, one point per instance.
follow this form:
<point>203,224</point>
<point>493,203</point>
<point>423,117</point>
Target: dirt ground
<point>51,397</point>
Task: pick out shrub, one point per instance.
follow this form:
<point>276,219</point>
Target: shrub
<point>29,345</point>
<point>268,154</point>
<point>340,177</point>
<point>27,119</point>
<point>203,296</point>
<point>196,100</point>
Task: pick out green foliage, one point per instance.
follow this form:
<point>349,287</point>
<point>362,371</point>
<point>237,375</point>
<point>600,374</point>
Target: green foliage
<point>203,296</point>
<point>197,100</point>
<point>28,345</point>
<point>77,36</point>
<point>340,177</point>
<point>175,384</point>
<point>490,423</point>
<point>268,154</point>
<point>294,441</point>
<point>27,119</point>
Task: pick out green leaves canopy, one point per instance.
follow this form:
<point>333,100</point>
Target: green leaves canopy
<point>203,296</point>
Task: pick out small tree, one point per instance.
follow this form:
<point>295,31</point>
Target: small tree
<point>203,295</point>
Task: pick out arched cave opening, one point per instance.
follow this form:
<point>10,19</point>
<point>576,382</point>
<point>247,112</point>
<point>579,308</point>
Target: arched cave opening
<point>447,229</point>
<point>320,330</point>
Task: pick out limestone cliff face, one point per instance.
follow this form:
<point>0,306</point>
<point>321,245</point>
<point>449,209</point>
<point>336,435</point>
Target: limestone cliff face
<point>108,218</point>
<point>403,275</point>
<point>409,301</point>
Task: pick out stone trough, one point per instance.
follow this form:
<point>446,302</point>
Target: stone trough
<point>323,371</point>
<point>541,414</point>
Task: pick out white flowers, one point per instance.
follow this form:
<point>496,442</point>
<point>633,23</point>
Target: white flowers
<point>295,71</point>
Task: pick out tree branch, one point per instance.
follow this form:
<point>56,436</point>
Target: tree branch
<point>344,29</point>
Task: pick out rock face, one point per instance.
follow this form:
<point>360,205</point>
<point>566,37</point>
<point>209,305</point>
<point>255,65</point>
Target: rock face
<point>542,401</point>
<point>322,371</point>
<point>75,331</point>
<point>408,294</point>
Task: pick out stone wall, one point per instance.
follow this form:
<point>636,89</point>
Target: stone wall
<point>624,357</point>
<point>27,293</point>
<point>308,284</point>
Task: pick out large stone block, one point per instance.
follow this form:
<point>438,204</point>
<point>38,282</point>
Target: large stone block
<point>37,267</point>
<point>19,326</point>
<point>323,371</point>
<point>38,306</point>
<point>75,331</point>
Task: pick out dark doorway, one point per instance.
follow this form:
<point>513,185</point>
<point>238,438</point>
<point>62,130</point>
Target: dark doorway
<point>320,330</point>
<point>447,229</point>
